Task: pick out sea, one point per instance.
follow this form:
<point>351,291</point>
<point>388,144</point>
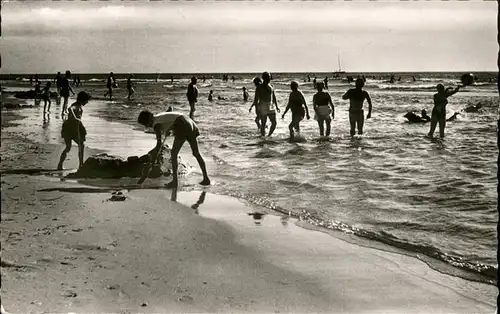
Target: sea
<point>391,188</point>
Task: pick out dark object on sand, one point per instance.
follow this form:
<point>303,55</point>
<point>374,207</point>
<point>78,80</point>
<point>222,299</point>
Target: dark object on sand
<point>473,108</point>
<point>105,166</point>
<point>15,106</point>
<point>467,79</point>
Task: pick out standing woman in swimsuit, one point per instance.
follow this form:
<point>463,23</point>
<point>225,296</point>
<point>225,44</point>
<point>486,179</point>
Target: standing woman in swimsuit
<point>439,110</point>
<point>321,100</point>
<point>73,129</point>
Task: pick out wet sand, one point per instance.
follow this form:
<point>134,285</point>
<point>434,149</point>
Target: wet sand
<point>67,247</point>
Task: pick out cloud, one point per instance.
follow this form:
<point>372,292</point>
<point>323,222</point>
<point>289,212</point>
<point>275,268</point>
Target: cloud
<point>326,17</point>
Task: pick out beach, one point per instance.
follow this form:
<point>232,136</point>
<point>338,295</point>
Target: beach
<point>67,246</point>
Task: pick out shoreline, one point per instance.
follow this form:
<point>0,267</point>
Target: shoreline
<point>357,239</point>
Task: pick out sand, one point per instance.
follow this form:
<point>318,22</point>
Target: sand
<point>67,248</point>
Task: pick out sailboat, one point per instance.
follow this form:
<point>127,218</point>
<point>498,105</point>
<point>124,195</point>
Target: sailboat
<point>339,72</point>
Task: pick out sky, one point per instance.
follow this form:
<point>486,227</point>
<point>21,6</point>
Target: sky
<point>247,36</point>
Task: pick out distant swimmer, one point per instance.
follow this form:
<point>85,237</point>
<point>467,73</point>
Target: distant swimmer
<point>73,129</point>
<point>325,81</point>
<point>323,107</point>
<point>192,96</point>
<point>110,84</point>
<point>414,118</point>
<point>78,81</point>
<point>184,129</point>
<point>453,117</point>
<point>46,97</point>
<point>130,87</point>
<point>65,89</point>
<point>314,83</point>
<point>245,94</point>
<point>266,104</point>
<point>211,95</point>
<point>356,98</point>
<point>257,81</point>
<point>439,110</point>
<point>297,104</point>
<point>473,108</point>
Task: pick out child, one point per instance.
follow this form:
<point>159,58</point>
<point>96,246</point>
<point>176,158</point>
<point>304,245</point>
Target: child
<point>257,81</point>
<point>296,103</point>
<point>46,97</point>
<point>73,129</point>
<point>439,110</point>
<point>321,100</point>
<point>192,96</point>
<point>184,129</point>
<point>356,97</point>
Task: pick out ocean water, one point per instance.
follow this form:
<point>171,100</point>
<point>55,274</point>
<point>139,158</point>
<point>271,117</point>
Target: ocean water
<point>434,199</point>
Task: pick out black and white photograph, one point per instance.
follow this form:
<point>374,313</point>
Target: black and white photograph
<point>246,156</point>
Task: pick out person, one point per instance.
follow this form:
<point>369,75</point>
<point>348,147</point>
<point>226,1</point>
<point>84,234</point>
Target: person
<point>65,89</point>
<point>73,129</point>
<point>37,92</point>
<point>75,81</point>
<point>425,116</point>
<point>245,94</point>
<point>439,111</point>
<point>297,104</point>
<point>192,96</point>
<point>184,129</point>
<point>321,100</point>
<point>110,83</point>
<point>356,98</point>
<point>211,95</point>
<point>58,80</point>
<point>257,81</point>
<point>46,97</point>
<point>78,81</point>
<point>266,104</point>
<point>130,88</point>
<point>325,81</point>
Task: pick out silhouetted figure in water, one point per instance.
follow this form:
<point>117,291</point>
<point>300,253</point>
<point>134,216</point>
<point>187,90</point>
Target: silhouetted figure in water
<point>356,98</point>
<point>245,94</point>
<point>46,97</point>
<point>453,117</point>
<point>171,80</point>
<point>110,84</point>
<point>473,108</point>
<point>425,116</point>
<point>315,84</point>
<point>308,78</point>
<point>257,81</point>
<point>325,81</point>
<point>78,82</point>
<point>266,104</point>
<point>233,78</point>
<point>203,78</point>
<point>414,79</point>
<point>192,96</point>
<point>297,104</point>
<point>211,95</point>
<point>323,107</point>
<point>74,81</point>
<point>37,91</point>
<point>439,110</point>
<point>57,80</point>
<point>31,80</point>
<point>130,87</point>
<point>393,79</point>
<point>73,129</point>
